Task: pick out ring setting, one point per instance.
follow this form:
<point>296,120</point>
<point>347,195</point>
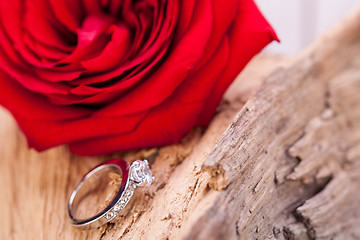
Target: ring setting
<point>134,176</point>
<point>140,175</point>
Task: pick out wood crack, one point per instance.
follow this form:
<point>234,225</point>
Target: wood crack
<point>311,232</point>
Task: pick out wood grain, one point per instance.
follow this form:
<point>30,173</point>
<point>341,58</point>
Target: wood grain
<point>286,167</point>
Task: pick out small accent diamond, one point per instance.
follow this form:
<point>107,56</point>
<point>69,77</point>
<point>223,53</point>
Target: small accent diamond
<point>110,215</point>
<point>132,186</point>
<point>123,200</point>
<point>122,205</point>
<point>128,193</point>
<point>117,207</point>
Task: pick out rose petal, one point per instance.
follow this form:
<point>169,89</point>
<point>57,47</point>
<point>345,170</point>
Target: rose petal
<point>250,33</point>
<point>58,132</point>
<point>180,110</point>
<point>58,74</point>
<point>187,11</point>
<point>114,51</point>
<point>92,7</point>
<point>114,5</point>
<point>91,38</point>
<point>96,95</point>
<point>162,119</point>
<point>42,51</point>
<point>68,12</point>
<point>39,22</point>
<point>173,71</point>
<point>224,13</point>
<point>123,52</point>
<point>17,99</point>
<point>26,78</point>
<point>46,125</point>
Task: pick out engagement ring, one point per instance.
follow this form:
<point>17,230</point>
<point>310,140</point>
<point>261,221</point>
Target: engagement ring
<point>136,175</point>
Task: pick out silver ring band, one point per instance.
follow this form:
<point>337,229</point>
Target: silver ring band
<point>138,174</point>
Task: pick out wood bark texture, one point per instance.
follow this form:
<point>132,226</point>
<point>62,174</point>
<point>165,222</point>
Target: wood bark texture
<point>282,162</point>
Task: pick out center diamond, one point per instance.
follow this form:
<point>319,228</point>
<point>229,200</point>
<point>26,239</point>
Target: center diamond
<point>141,173</point>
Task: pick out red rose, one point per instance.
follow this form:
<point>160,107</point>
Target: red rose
<point>110,75</point>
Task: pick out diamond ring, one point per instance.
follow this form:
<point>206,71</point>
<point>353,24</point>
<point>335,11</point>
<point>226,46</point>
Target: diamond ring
<point>136,175</point>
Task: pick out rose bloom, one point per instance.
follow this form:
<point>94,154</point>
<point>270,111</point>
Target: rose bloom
<point>111,75</point>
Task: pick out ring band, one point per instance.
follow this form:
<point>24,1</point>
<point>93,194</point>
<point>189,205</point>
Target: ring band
<point>136,175</point>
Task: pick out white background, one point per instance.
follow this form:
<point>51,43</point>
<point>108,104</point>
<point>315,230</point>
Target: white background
<point>299,22</point>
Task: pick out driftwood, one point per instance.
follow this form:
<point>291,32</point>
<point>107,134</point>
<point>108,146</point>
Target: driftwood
<point>286,167</point>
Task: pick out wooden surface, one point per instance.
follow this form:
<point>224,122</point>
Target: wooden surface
<point>286,167</point>
<point>36,186</point>
<point>289,164</point>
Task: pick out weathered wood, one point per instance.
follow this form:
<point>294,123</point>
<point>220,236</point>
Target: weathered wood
<point>287,166</point>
